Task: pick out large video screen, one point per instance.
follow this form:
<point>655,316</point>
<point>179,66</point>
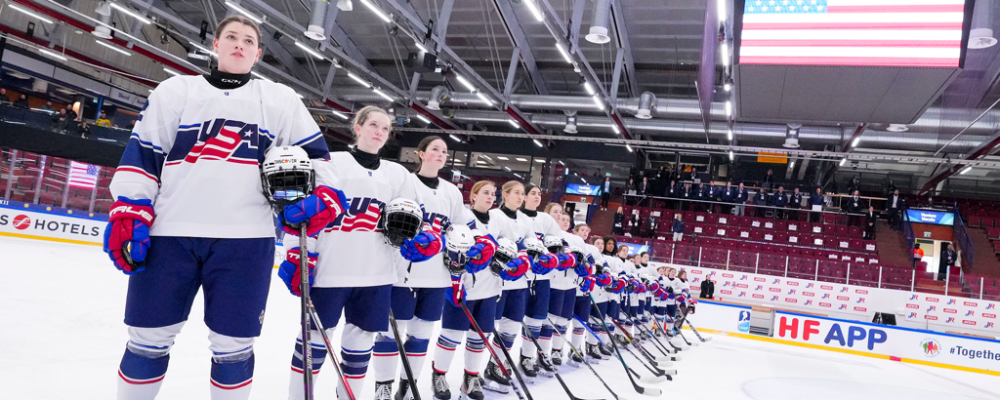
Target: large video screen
<point>882,33</point>
<point>931,217</point>
<point>586,190</point>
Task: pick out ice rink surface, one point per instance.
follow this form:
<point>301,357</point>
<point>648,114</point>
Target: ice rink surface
<point>62,336</point>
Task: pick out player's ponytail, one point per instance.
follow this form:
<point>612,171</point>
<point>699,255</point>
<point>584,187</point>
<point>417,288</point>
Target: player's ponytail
<point>422,146</point>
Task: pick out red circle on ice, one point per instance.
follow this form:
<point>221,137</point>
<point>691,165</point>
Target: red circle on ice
<point>22,222</point>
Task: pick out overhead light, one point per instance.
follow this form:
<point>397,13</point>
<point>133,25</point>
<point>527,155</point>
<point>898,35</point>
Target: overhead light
<point>359,80</point>
<point>456,160</point>
<point>465,82</point>
<point>300,96</point>
<point>486,156</point>
<point>455,138</point>
<point>537,143</point>
<point>131,13</point>
<point>381,93</point>
<point>628,147</point>
<point>561,163</point>
<point>243,11</point>
<point>535,11</point>
<point>598,102</point>
<point>376,10</point>
<point>614,127</point>
<point>255,73</point>
<point>421,47</point>
<point>842,161</point>
<point>339,115</point>
<point>855,142</point>
<point>540,160</point>
<point>481,162</point>
<point>16,7</point>
<point>792,165</point>
<point>506,168</point>
<point>967,169</point>
<point>502,158</point>
<point>112,47</point>
<point>590,89</point>
<point>521,159</point>
<point>519,176</point>
<point>52,54</point>
<point>312,52</point>
<point>564,53</point>
<point>731,156</point>
<point>725,53</point>
<point>203,49</point>
<point>484,98</point>
<point>423,118</point>
<point>897,128</point>
<point>730,134</point>
<point>171,72</point>
<point>514,123</point>
<point>722,10</point>
<point>729,108</point>
<point>728,86</point>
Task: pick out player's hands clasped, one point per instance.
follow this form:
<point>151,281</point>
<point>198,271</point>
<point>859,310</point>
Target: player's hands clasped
<point>318,210</point>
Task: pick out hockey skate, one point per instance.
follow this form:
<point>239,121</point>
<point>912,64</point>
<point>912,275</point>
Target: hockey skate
<point>544,366</point>
<point>495,379</point>
<point>529,369</point>
<point>593,354</point>
<point>471,388</point>
<point>383,390</point>
<point>605,351</point>
<point>620,339</point>
<point>557,357</point>
<point>574,360</point>
<point>440,385</point>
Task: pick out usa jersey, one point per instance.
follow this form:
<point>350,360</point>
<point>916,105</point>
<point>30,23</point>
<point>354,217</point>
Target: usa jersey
<point>515,229</point>
<point>483,284</point>
<point>352,250</point>
<point>592,251</point>
<point>568,279</point>
<point>442,207</point>
<point>542,224</point>
<point>195,152</point>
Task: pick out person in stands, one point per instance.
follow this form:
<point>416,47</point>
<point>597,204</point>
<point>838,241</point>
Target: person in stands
<point>678,228</point>
<point>103,121</point>
<point>605,193</point>
<point>894,205</point>
<point>816,204</point>
<point>707,288</point>
<point>948,258</point>
<point>619,228</point>
<point>870,218</point>
<point>853,209</point>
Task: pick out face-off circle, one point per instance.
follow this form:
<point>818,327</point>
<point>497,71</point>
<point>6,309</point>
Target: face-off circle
<point>22,222</point>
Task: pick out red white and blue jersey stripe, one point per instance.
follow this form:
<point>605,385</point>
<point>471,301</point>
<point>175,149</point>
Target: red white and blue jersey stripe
<point>898,33</point>
<point>195,151</point>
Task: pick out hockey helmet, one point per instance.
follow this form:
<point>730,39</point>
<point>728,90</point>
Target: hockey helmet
<point>553,243</point>
<point>575,251</point>
<point>287,175</point>
<point>458,240</point>
<point>533,247</point>
<point>506,251</point>
<point>401,219</point>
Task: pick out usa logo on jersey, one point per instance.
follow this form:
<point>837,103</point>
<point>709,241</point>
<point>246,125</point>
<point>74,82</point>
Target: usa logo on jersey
<point>362,215</point>
<point>439,223</point>
<point>219,139</point>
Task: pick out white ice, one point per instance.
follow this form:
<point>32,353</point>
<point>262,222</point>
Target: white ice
<point>62,336</point>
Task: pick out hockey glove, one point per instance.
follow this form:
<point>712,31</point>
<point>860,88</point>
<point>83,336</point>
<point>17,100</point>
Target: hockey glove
<point>546,263</point>
<point>653,287</point>
<point>126,238</point>
<point>290,270</point>
<point>582,268</point>
<point>516,268</point>
<point>587,284</point>
<point>566,261</point>
<point>603,280</point>
<point>320,209</point>
<point>618,285</point>
<point>590,259</point>
<point>455,293</point>
<point>422,247</point>
<point>481,254</point>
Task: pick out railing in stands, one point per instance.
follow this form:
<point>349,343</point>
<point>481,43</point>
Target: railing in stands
<point>962,238</point>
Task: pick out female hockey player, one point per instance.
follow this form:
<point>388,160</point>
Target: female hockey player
<point>537,310</point>
<point>189,213</point>
<point>356,264</point>
<point>418,295</point>
<point>482,290</point>
<point>563,288</point>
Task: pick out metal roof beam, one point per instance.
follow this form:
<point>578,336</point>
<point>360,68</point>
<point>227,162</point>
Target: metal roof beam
<point>517,37</point>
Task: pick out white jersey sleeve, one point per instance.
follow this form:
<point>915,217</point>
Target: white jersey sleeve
<point>542,224</point>
<point>568,279</point>
<point>516,229</point>
<point>483,284</point>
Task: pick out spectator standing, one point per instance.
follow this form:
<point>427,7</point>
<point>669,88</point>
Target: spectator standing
<point>870,219</point>
<point>22,102</point>
<point>606,193</point>
<point>728,195</point>
<point>707,288</point>
<point>760,201</point>
<point>630,190</point>
<point>700,194</point>
<point>780,201</point>
<point>84,129</point>
<point>619,227</point>
<point>686,195</point>
<point>795,203</point>
<point>893,207</point>
<point>131,125</point>
<point>853,209</point>
<point>742,195</point>
<point>768,180</point>
<point>47,106</point>
<point>635,225</point>
<point>103,121</point>
<point>651,224</point>
<point>816,204</point>
<point>948,257</point>
<point>3,96</point>
<point>678,228</point>
<point>712,194</point>
<point>694,174</point>
<point>644,187</point>
<point>671,193</point>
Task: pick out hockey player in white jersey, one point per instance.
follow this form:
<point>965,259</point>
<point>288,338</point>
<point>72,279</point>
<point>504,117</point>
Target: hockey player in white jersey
<point>540,290</point>
<point>418,296</point>
<point>190,213</point>
<point>583,307</point>
<point>355,270</point>
<point>482,290</point>
<point>564,283</point>
<point>607,302</point>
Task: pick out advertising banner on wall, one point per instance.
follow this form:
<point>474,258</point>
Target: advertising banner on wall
<point>32,221</point>
<point>900,344</point>
<point>949,311</point>
<point>721,317</point>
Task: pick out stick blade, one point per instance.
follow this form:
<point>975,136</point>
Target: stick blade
<point>653,379</point>
<point>675,358</point>
<point>707,339</point>
<point>653,392</point>
<point>672,371</point>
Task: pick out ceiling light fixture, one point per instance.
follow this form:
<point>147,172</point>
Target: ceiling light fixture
<point>420,47</point>
<point>588,88</point>
<point>521,159</point>
<point>502,158</point>
<point>131,13</point>
<point>455,138</point>
<point>855,142</point>
<point>385,96</point>
<point>535,11</point>
<point>792,165</point>
<point>614,127</point>
<point>842,161</point>
<point>732,156</point>
<point>359,80</point>
<point>112,47</point>
<point>484,98</point>
<point>243,11</point>
<point>465,82</point>
<point>54,54</point>
<point>423,118</point>
<point>202,48</point>
<point>312,52</point>
<point>730,134</point>
<point>729,108</point>
<point>564,53</point>
<point>725,53</point>
<point>340,115</point>
<point>169,71</point>
<point>376,10</point>
<point>514,123</point>
<point>18,8</point>
<point>967,169</point>
<point>629,148</point>
<point>537,143</point>
<point>598,102</point>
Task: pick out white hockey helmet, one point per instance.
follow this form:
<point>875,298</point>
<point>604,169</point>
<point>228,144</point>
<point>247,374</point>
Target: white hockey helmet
<point>506,251</point>
<point>286,175</point>
<point>575,251</point>
<point>401,219</point>
<point>458,241</point>
<point>553,243</point>
<point>533,247</point>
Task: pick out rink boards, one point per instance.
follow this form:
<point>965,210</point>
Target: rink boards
<point>33,221</point>
<point>915,346</point>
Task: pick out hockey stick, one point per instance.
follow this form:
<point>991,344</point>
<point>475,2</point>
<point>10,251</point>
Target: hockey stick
<point>657,326</point>
<point>642,350</point>
<point>659,373</point>
<point>402,354</point>
<point>687,310</point>
<point>629,371</point>
<point>510,360</point>
<point>329,350</point>
<point>639,389</point>
<point>656,341</point>
<point>475,325</point>
<point>679,324</point>
<point>544,357</point>
<point>307,358</point>
<point>582,357</point>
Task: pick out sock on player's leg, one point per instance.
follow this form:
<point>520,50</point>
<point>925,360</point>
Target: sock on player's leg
<point>474,354</point>
<point>232,366</point>
<point>295,391</point>
<point>145,361</point>
<point>445,353</point>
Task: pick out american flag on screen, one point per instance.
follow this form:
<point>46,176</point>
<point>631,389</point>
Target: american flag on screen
<point>82,175</point>
<point>898,33</point>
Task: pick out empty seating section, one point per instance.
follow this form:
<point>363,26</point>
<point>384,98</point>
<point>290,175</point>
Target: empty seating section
<point>33,178</point>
